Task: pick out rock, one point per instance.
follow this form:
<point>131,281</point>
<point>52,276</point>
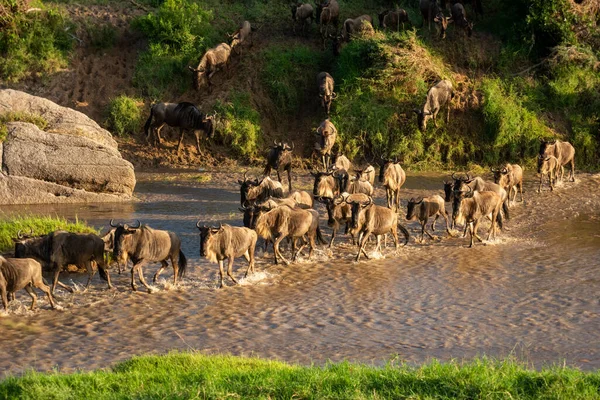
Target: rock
<point>72,160</point>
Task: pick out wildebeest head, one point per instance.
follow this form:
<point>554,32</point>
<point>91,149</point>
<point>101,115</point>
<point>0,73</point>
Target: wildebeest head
<point>357,208</point>
<point>383,167</point>
<point>198,75</point>
<point>209,125</point>
<point>121,243</point>
<point>422,118</point>
<point>251,214</point>
<point>294,7</point>
<point>541,160</point>
<point>320,178</point>
<point>280,154</point>
<point>410,207</point>
<point>245,186</point>
<point>206,234</point>
<point>460,194</point>
<point>448,188</point>
<point>30,246</point>
<point>500,174</point>
<point>443,21</point>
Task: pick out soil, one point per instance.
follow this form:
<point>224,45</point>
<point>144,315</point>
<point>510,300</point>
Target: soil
<point>94,77</point>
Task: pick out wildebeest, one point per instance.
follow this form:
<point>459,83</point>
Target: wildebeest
<point>303,14</point>
<point>284,221</point>
<point>564,153</point>
<point>22,273</point>
<point>369,218</point>
<point>471,206</point>
<point>330,184</point>
<point>326,137</point>
<point>363,23</point>
<point>59,249</point>
<point>459,18</point>
<point>548,166</point>
<point>142,244</point>
<point>212,61</point>
<point>184,116</point>
<point>509,176</point>
<point>440,95</point>
<point>340,162</point>
<point>338,212</point>
<point>328,13</point>
<point>302,198</point>
<point>430,10</point>
<point>393,177</point>
<point>479,184</point>
<point>240,36</point>
<point>392,19</point>
<point>280,159</point>
<point>366,174</point>
<point>255,191</point>
<point>326,84</point>
<point>425,208</point>
<point>360,186</point>
<point>227,242</point>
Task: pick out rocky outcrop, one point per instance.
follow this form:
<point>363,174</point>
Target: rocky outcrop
<point>72,160</point>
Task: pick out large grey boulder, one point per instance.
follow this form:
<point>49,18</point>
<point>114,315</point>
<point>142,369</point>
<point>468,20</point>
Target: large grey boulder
<point>72,160</point>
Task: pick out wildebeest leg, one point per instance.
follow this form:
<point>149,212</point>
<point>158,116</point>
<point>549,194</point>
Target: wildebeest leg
<point>395,237</point>
<point>311,244</point>
<point>39,283</point>
<point>157,137</point>
<point>434,221</point>
<point>90,271</point>
<point>221,273</point>
<point>289,174</point>
<point>230,270</point>
<point>198,141</point>
<point>55,280</point>
<point>324,161</point>
<point>475,226</point>
<point>333,231</point>
<point>398,199</point>
<point>552,179</point>
<point>163,265</point>
<point>278,175</point>
<point>361,248</point>
<point>541,181</point>
<point>249,256</point>
<point>180,141</point>
<point>572,170</point>
<point>520,190</point>
<point>4,297</point>
<point>31,292</point>
<point>470,226</point>
<point>138,268</point>
<point>276,250</point>
<point>448,112</point>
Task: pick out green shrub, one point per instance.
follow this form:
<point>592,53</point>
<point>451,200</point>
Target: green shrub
<point>36,225</point>
<point>14,116</point>
<point>125,115</point>
<point>36,42</point>
<point>177,33</point>
<point>240,129</point>
<point>290,73</point>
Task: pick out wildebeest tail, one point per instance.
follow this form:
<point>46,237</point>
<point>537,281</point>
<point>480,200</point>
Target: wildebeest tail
<point>505,209</point>
<point>500,220</point>
<point>182,264</point>
<point>320,238</point>
<point>405,232</point>
<point>102,273</point>
<point>149,121</point>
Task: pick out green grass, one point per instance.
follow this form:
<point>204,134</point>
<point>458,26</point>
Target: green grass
<point>125,115</point>
<point>40,225</point>
<point>14,116</point>
<point>192,375</point>
<point>239,128</point>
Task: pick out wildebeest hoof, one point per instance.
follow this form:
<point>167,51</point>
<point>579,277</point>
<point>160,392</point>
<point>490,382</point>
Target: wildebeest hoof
<point>150,290</point>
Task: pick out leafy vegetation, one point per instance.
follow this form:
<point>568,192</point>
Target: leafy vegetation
<point>125,115</point>
<point>33,43</point>
<point>192,375</point>
<point>36,225</point>
<point>14,116</point>
<point>240,128</point>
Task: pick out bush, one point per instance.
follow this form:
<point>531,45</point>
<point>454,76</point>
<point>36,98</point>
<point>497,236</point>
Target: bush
<point>36,225</point>
<point>37,42</point>
<point>240,129</point>
<point>13,116</point>
<point>125,115</point>
<point>177,33</point>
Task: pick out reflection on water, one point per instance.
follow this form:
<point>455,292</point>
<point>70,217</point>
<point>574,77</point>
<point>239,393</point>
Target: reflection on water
<point>533,292</point>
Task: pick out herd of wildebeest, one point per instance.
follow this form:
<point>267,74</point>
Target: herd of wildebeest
<point>345,190</point>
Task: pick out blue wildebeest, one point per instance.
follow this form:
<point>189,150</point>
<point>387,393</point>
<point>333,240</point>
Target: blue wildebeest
<point>369,218</point>
<point>184,116</point>
<point>330,184</point>
<point>392,19</point>
<point>363,23</point>
<point>425,208</point>
<point>548,166</point>
<point>338,212</point>
<point>328,13</point>
<point>285,221</point>
<point>212,61</point>
<point>440,95</point>
<point>255,191</point>
<point>470,206</point>
<point>302,14</point>
<point>326,137</point>
<point>366,174</point>
<point>239,37</point>
<point>279,158</point>
<point>326,84</point>
<point>509,176</point>
<point>564,153</point>
<point>459,18</point>
<point>142,244</point>
<point>22,273</point>
<point>227,242</point>
<point>393,177</point>
<point>59,249</point>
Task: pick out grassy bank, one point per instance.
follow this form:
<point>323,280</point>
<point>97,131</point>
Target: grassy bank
<point>187,376</point>
<point>39,225</point>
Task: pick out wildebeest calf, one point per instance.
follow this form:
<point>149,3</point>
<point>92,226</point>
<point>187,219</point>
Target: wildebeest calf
<point>19,273</point>
<point>471,206</point>
<point>425,208</point>
<point>509,176</point>
<point>227,242</point>
<point>393,177</point>
<point>548,166</point>
<point>440,95</point>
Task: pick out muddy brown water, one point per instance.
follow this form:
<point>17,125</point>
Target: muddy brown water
<point>532,293</point>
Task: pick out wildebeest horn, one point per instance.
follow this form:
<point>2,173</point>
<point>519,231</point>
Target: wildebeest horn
<point>245,172</point>
<point>198,224</point>
<point>220,225</point>
<point>420,201</point>
<point>334,95</point>
<point>275,143</point>
<point>493,170</point>
<point>370,201</point>
<point>19,235</point>
<point>138,224</point>
<point>504,171</point>
<point>111,224</point>
<point>454,176</point>
<point>292,146</point>
<point>469,177</point>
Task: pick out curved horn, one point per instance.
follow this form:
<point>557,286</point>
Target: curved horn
<point>454,176</point>
<point>292,149</point>
<point>275,142</point>
<point>138,225</point>
<point>334,95</point>
<point>420,200</point>
<point>245,172</point>
<point>220,225</point>
<point>469,177</point>
<point>370,201</point>
<point>19,235</point>
<point>504,170</point>
<point>493,170</point>
<point>111,223</point>
<point>198,224</point>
